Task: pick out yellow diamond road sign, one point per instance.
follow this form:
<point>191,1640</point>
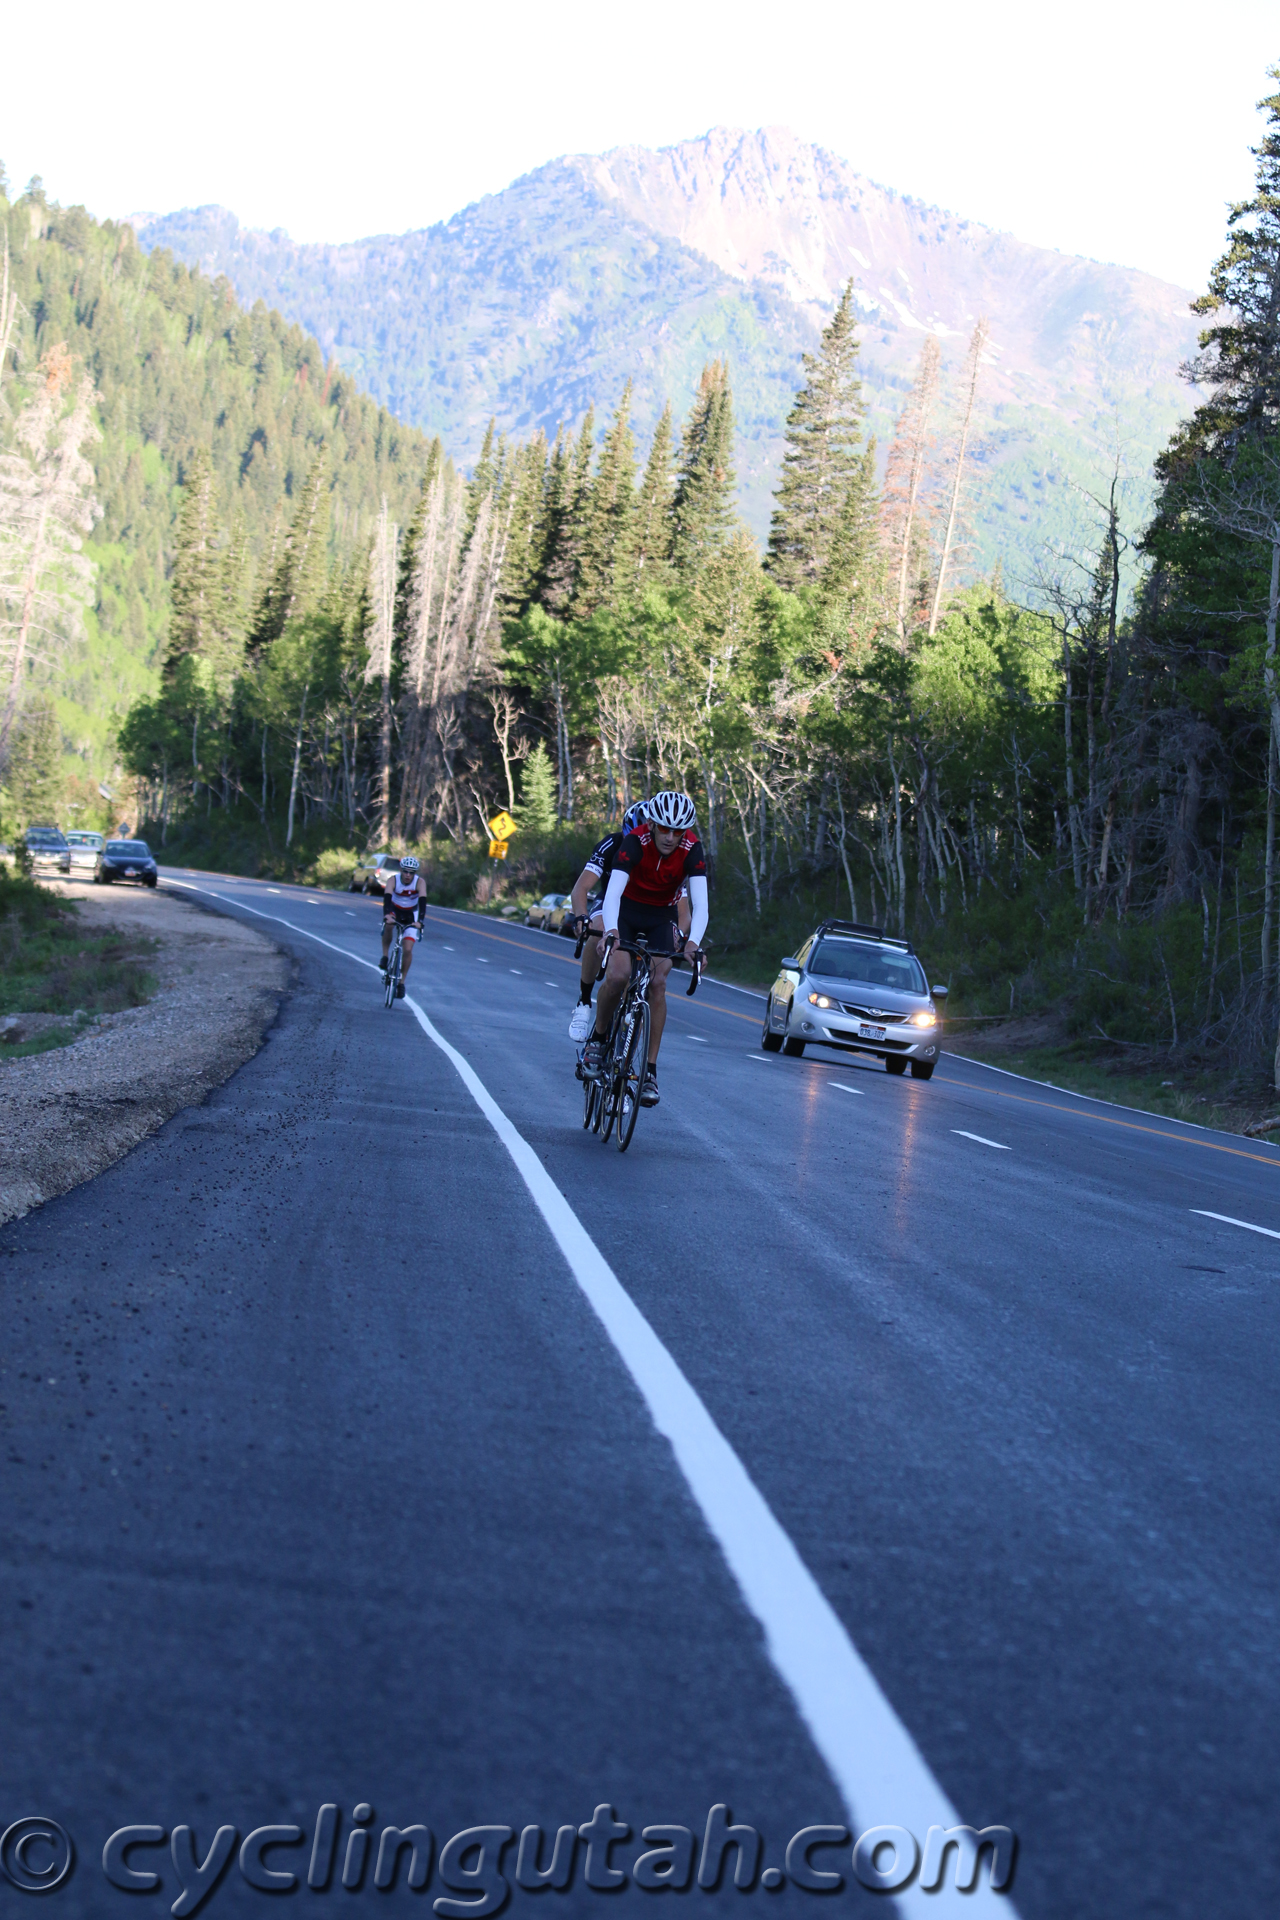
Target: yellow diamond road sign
<point>497,849</point>
<point>502,826</point>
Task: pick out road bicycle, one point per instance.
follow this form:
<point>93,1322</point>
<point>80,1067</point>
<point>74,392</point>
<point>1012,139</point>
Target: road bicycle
<point>613,1100</point>
<point>394,962</point>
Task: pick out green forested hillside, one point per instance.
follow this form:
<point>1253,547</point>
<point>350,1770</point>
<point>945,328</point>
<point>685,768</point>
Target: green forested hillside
<point>177,365</point>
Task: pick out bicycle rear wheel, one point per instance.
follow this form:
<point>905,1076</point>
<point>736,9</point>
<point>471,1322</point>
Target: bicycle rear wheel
<point>632,1077</point>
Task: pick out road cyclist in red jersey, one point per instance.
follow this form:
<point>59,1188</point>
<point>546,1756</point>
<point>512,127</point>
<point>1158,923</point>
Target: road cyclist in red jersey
<point>595,873</point>
<point>404,899</point>
<point>651,869</point>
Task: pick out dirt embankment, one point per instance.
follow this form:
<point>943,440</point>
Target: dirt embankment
<point>66,1115</point>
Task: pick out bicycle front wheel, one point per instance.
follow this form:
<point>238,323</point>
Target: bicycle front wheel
<point>393,975</point>
<point>632,1077</point>
<point>590,1101</point>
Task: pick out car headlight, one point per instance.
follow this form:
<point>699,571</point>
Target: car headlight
<point>820,1000</point>
<point>924,1019</point>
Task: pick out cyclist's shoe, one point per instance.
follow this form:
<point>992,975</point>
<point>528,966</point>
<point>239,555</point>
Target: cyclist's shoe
<point>649,1095</point>
<point>581,1022</point>
<point>382,964</point>
<point>593,1059</point>
<point>399,989</point>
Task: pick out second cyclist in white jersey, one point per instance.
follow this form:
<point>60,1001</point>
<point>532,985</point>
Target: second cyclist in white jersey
<point>404,901</point>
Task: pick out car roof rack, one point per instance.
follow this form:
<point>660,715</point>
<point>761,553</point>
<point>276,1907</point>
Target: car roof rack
<point>856,928</point>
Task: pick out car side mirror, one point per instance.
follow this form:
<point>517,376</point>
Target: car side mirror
<point>939,993</point>
<point>790,961</point>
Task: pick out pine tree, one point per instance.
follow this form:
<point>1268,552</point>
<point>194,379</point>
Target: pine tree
<point>572,481</point>
<point>538,792</point>
<point>526,539</point>
<point>851,584</point>
<point>482,481</point>
<point>196,617</point>
<point>34,773</point>
<point>608,515</point>
<point>1240,354</point>
<point>652,538</point>
<point>702,509</point>
<point>824,441</point>
<point>301,574</point>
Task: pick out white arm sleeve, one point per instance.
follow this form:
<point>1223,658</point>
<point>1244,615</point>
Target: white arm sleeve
<point>613,898</point>
<point>698,908</point>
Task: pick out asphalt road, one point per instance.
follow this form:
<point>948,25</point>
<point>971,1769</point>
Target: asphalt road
<point>332,1473</point>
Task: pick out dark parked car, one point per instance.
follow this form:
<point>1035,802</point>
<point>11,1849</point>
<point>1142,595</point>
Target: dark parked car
<point>859,989</point>
<point>47,850</point>
<point>128,860</point>
<point>371,871</point>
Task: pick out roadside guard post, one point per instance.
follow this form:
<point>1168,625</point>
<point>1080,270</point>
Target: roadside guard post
<point>502,826</point>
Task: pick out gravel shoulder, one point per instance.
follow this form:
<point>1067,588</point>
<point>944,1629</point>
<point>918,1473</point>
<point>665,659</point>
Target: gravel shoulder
<point>68,1114</point>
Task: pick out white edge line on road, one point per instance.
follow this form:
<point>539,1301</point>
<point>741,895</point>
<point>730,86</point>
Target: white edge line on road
<point>1229,1221</point>
<point>860,1091</point>
<point>881,1773</point>
<point>982,1140</point>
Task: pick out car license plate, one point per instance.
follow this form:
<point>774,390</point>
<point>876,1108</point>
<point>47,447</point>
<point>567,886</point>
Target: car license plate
<point>131,873</point>
<point>867,1032</point>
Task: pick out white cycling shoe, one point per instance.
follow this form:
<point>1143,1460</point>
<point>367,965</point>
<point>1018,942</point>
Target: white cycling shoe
<point>581,1023</point>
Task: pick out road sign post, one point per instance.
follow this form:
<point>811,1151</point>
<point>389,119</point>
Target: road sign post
<point>501,827</point>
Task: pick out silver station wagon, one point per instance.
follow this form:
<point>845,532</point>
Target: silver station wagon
<point>859,989</point>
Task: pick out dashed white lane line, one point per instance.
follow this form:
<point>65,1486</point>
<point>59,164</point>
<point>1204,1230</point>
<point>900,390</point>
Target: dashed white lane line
<point>982,1140</point>
<point>483,962</point>
<point>515,969</point>
<point>757,1056</point>
<point>840,1083</point>
<point>1230,1222</point>
<point>349,913</point>
<point>696,1038</point>
<point>445,945</point>
<point>553,983</point>
<point>880,1771</point>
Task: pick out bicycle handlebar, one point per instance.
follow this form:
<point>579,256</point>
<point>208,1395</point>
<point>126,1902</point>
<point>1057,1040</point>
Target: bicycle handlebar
<point>651,953</point>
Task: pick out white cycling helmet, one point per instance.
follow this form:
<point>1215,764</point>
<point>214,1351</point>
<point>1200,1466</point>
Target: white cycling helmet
<point>409,864</point>
<point>671,809</point>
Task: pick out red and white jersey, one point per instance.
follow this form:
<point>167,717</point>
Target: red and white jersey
<point>654,879</point>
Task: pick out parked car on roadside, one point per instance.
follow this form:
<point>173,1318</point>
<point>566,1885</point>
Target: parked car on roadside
<point>565,923</point>
<point>371,871</point>
<point>86,853</point>
<point>859,989</point>
<point>542,912</point>
<point>128,860</point>
<point>47,850</point>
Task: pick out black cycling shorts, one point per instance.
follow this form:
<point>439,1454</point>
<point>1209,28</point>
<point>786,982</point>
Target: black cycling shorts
<point>403,916</point>
<point>657,924</point>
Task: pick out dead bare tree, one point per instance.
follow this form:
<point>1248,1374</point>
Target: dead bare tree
<point>977,346</point>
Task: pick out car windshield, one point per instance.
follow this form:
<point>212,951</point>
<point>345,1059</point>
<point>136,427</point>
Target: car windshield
<point>129,849</point>
<point>44,837</point>
<point>85,839</point>
<point>873,966</point>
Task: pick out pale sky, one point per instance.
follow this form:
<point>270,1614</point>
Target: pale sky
<point>1119,129</point>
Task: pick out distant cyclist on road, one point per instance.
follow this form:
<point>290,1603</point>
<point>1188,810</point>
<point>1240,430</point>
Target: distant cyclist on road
<point>404,903</point>
<point>651,869</point>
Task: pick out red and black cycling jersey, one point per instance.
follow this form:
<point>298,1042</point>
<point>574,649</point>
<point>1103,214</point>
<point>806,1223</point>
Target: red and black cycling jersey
<point>601,859</point>
<point>655,879</point>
